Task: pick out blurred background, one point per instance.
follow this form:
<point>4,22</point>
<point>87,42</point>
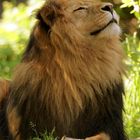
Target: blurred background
<point>17,20</point>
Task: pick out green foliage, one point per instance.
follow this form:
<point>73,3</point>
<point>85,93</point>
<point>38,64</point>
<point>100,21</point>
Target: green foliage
<point>8,59</point>
<point>45,136</point>
<point>14,32</point>
<point>40,136</point>
<point>132,98</point>
<point>136,7</point>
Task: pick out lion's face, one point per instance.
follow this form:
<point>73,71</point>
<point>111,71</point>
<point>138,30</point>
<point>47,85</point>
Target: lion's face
<point>85,17</point>
<point>94,19</point>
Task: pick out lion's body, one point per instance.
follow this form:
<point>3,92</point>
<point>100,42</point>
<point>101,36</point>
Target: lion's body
<point>92,108</point>
<point>68,82</point>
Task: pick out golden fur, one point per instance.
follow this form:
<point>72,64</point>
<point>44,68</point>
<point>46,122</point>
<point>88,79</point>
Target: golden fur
<point>65,69</point>
<point>4,89</point>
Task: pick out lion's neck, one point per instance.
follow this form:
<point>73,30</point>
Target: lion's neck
<point>78,77</point>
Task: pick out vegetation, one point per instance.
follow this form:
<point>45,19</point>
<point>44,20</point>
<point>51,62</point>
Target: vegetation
<point>132,98</point>
<point>15,27</point>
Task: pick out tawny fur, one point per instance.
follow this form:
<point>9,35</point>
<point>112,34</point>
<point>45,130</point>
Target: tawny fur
<point>4,89</point>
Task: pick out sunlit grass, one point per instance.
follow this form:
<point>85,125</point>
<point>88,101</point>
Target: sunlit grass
<point>45,136</point>
<point>132,86</point>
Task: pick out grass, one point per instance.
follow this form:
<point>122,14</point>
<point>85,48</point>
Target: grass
<point>132,85</point>
<point>45,136</point>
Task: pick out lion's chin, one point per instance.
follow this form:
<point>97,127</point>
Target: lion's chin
<point>110,30</point>
<point>113,20</point>
<point>113,30</point>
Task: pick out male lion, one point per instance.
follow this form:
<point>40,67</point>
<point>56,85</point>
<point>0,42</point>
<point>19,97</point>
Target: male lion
<point>70,77</point>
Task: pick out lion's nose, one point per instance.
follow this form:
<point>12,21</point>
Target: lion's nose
<point>108,7</point>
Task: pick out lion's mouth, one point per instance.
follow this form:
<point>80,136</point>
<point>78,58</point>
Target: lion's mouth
<point>98,31</point>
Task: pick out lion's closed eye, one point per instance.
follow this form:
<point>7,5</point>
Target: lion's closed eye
<point>80,8</point>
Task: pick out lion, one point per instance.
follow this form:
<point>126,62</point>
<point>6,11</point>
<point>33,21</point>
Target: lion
<point>70,76</point>
<point>4,93</point>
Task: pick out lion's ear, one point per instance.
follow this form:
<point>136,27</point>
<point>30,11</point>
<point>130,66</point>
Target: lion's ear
<point>47,14</point>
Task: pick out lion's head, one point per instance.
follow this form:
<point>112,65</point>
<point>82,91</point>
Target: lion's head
<point>91,19</point>
<point>71,72</point>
